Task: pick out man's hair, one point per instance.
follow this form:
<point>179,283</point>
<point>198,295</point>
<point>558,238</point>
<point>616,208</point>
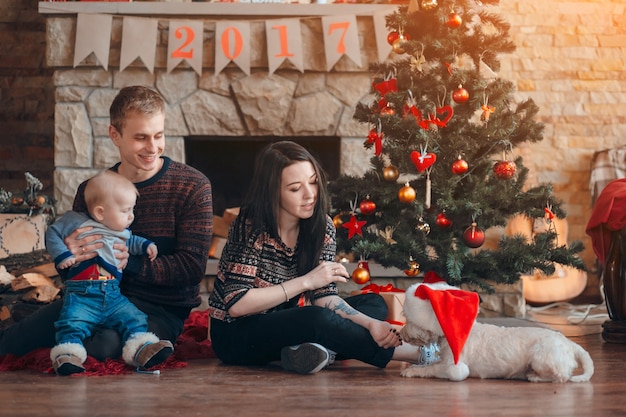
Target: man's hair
<point>105,186</point>
<point>135,98</point>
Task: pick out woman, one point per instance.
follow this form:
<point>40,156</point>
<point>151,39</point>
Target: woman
<point>275,296</point>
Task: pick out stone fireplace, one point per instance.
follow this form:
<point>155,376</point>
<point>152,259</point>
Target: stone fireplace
<point>313,105</point>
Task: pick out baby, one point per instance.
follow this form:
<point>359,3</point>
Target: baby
<point>92,293</point>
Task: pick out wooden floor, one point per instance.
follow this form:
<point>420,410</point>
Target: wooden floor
<point>208,388</point>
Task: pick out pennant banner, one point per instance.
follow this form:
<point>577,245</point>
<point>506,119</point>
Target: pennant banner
<point>93,34</point>
<point>341,37</point>
<point>139,38</point>
<point>284,41</point>
<point>232,43</point>
<point>380,31</point>
<point>185,43</point>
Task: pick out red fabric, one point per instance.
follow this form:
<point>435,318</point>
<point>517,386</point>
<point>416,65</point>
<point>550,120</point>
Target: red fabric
<point>193,343</point>
<point>431,277</point>
<point>609,214</point>
<point>456,311</point>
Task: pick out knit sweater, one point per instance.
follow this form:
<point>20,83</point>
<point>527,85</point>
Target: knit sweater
<point>175,211</point>
<point>258,261</point>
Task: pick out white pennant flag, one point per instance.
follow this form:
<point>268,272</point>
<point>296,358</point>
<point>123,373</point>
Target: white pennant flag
<point>380,30</point>
<point>185,43</point>
<point>139,36</point>
<point>232,43</point>
<point>93,34</point>
<point>284,41</point>
<point>341,37</point>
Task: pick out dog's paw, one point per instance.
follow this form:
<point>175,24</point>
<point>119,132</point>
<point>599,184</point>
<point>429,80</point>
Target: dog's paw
<point>411,372</point>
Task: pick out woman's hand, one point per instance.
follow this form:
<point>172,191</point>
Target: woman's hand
<point>384,335</point>
<point>83,249</point>
<point>324,274</point>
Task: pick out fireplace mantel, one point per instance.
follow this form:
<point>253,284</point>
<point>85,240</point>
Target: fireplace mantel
<point>241,10</point>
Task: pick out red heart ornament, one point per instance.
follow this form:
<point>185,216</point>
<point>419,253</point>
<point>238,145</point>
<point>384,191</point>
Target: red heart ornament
<point>422,162</point>
<point>447,112</point>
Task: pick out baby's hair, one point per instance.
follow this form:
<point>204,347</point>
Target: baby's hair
<point>105,186</point>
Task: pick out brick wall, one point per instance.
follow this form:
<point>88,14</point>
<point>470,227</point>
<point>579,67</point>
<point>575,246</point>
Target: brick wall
<point>26,97</point>
<point>570,60</point>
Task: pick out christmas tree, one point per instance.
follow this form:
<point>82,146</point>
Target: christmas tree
<point>443,130</point>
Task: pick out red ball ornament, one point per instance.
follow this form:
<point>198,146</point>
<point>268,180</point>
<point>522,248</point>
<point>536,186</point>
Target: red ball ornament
<point>392,37</point>
<point>460,95</point>
<point>361,273</point>
<point>443,221</point>
<point>473,236</point>
<point>460,166</point>
<point>454,21</point>
<point>367,206</point>
<point>505,170</point>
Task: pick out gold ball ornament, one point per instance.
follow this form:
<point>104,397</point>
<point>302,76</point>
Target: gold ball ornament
<point>414,268</point>
<point>428,5</point>
<point>406,194</point>
<point>390,173</point>
<point>422,226</point>
<point>340,219</point>
<point>399,45</point>
<point>361,273</point>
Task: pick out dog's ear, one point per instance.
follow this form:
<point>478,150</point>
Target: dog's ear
<point>416,335</point>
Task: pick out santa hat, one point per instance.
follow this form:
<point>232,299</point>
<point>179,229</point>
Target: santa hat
<point>456,310</point>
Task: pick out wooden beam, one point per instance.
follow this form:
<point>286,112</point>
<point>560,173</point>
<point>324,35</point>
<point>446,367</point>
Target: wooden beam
<point>205,9</point>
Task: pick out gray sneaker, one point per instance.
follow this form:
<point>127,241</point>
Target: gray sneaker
<point>306,358</point>
<point>429,354</point>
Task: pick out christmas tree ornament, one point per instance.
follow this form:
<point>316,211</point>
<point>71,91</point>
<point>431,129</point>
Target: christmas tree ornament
<point>417,62</point>
<point>446,113</point>
<point>414,268</point>
<point>400,44</point>
<point>387,234</point>
<point>367,206</point>
<point>454,20</point>
<point>376,137</point>
<point>427,191</point>
<point>443,221</point>
<point>460,95</point>
<point>423,160</point>
<point>392,37</point>
<point>354,226</point>
<point>487,111</point>
<point>338,220</point>
<point>422,226</point>
<point>473,236</point>
<point>387,111</point>
<point>390,173</point>
<point>389,85</point>
<point>504,169</point>
<point>459,166</point>
<point>406,194</point>
<point>361,273</point>
<point>428,5</point>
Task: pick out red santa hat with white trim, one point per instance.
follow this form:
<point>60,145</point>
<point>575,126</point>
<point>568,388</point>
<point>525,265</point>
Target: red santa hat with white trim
<point>455,309</point>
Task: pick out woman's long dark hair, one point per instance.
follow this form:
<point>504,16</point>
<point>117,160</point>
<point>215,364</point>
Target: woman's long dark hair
<point>262,201</point>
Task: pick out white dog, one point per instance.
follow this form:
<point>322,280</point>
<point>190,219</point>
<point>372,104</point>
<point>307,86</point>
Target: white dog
<point>529,353</point>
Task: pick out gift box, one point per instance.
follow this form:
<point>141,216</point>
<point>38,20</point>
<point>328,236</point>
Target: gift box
<point>20,233</point>
<point>394,298</point>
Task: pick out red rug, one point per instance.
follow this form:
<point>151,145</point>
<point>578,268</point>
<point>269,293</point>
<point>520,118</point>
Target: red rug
<point>191,344</point>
